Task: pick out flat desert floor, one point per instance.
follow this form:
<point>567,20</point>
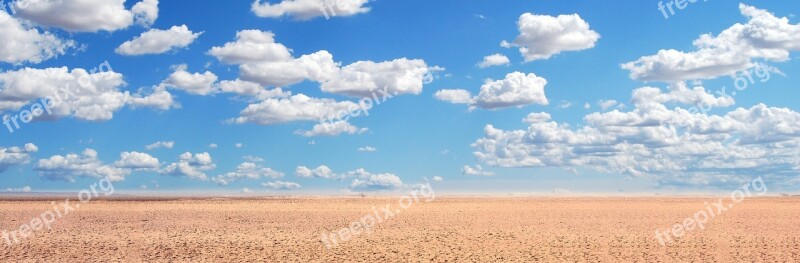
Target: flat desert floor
<point>447,229</point>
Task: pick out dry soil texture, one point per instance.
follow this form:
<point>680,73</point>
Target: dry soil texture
<point>444,230</point>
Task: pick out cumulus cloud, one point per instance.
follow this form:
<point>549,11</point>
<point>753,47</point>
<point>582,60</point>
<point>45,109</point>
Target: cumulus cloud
<point>157,41</point>
<point>87,15</point>
<point>247,170</point>
<point>192,166</point>
<point>375,182</point>
<point>145,12</point>
<point>455,96</point>
<point>437,179</point>
<point>494,60</point>
<point>676,146</point>
<point>137,160</point>
<point>251,89</point>
<point>608,104</point>
<point>16,155</point>
<point>763,37</point>
<point>320,172</point>
<point>295,108</point>
<point>364,78</point>
<point>86,164</point>
<point>263,61</point>
<point>193,83</point>
<point>160,144</point>
<point>309,9</point>
<point>281,185</point>
<point>24,44</point>
<point>82,95</point>
<point>363,180</point>
<point>475,171</point>
<point>251,46</point>
<point>332,129</point>
<point>542,36</point>
<point>516,90</point>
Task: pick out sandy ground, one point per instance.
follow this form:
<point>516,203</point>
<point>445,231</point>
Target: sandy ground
<point>444,230</point>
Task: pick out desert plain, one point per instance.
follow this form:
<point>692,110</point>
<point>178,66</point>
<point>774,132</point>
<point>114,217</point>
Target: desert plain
<point>447,229</point>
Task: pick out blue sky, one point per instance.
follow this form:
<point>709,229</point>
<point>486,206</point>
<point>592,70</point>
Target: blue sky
<point>418,134</point>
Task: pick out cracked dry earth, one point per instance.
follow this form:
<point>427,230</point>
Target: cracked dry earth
<point>444,230</point>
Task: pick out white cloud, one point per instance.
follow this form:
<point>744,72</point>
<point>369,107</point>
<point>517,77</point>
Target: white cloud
<point>494,60</point>
<point>213,146</point>
<point>192,166</point>
<point>365,78</point>
<point>251,89</point>
<point>253,159</point>
<point>543,36</point>
<point>367,149</point>
<point>83,95</point>
<point>22,43</point>
<point>607,104</point>
<point>437,179</point>
<point>160,144</point>
<point>158,98</point>
<point>516,90</point>
<point>25,189</point>
<point>251,46</point>
<point>15,155</point>
<point>677,145</point>
<point>137,160</point>
<point>764,36</point>
<point>455,96</point>
<point>475,171</point>
<point>564,104</point>
<point>295,108</point>
<point>332,129</point>
<point>145,12</point>
<point>363,180</point>
<point>263,61</point>
<point>87,15</point>
<point>309,9</point>
<point>537,117</point>
<point>247,170</point>
<point>193,83</point>
<point>238,145</point>
<point>320,172</point>
<point>246,190</point>
<point>281,185</point>
<point>375,182</point>
<point>681,94</point>
<point>65,168</point>
<point>157,41</point>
